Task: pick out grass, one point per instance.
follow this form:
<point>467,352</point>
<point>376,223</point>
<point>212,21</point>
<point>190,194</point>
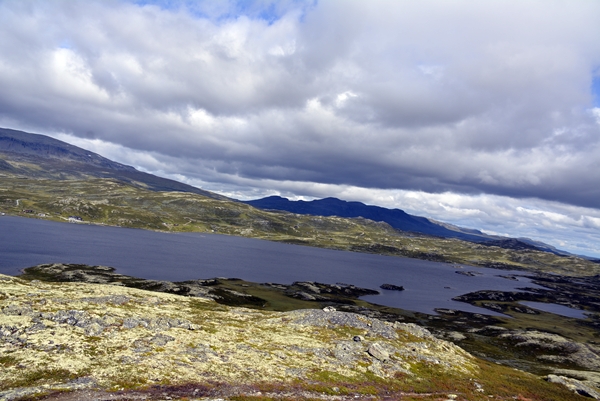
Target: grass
<point>273,299</point>
<point>106,201</point>
<point>8,360</point>
<point>42,376</point>
<point>428,381</point>
<point>507,382</point>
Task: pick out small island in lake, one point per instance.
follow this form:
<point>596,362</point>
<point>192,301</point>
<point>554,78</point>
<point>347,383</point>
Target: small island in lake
<point>392,287</point>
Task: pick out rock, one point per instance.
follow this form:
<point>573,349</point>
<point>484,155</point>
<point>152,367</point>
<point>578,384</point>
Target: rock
<point>347,352</point>
<point>455,336</point>
<point>590,378</point>
<point>446,311</point>
<point>357,339</point>
<point>377,352</point>
<point>310,286</point>
<point>36,327</point>
<point>574,385</point>
<point>554,348</point>
<point>113,299</point>
<point>93,330</point>
<point>329,309</point>
<point>391,287</point>
<point>321,318</point>
<point>525,310</point>
<point>161,339</point>
<point>414,329</point>
<point>17,310</point>
<point>305,296</point>
<point>131,323</point>
<point>487,295</point>
<point>70,317</point>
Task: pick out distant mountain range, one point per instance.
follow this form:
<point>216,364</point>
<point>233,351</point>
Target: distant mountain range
<point>40,156</point>
<point>29,155</point>
<point>396,218</point>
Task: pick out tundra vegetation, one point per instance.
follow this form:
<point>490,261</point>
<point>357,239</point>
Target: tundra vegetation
<point>89,339</point>
<point>236,340</point>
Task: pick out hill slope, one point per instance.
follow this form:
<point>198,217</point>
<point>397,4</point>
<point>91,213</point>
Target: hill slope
<point>29,155</point>
<point>110,342</point>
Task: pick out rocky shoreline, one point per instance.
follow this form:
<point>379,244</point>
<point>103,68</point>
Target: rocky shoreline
<point>80,336</point>
<point>61,310</point>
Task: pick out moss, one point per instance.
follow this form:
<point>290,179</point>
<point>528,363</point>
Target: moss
<point>30,378</point>
<point>237,345</point>
<point>8,360</point>
<point>200,308</point>
<point>506,382</point>
<point>128,381</point>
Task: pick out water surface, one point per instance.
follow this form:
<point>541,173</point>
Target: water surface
<point>27,242</point>
<point>556,309</point>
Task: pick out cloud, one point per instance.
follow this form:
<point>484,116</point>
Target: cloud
<point>495,98</point>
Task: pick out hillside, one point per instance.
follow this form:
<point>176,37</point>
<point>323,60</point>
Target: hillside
<point>26,155</point>
<point>93,341</point>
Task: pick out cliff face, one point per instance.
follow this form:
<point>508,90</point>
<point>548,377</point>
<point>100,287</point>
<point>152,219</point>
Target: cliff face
<point>95,338</point>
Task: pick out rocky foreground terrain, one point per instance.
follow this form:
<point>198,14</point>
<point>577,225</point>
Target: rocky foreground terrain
<point>73,340</point>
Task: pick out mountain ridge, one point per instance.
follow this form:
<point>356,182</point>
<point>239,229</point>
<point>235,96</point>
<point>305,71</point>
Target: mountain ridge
<point>330,206</point>
<point>33,155</point>
<point>29,155</point>
<point>399,220</point>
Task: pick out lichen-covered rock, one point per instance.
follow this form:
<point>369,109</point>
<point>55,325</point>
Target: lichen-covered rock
<point>575,385</point>
<point>554,348</point>
<point>377,352</point>
<point>104,335</point>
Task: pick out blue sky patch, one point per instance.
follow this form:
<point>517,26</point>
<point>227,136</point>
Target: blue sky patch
<point>269,11</point>
<point>596,88</point>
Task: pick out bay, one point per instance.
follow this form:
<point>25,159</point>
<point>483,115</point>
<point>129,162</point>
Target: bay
<point>556,309</point>
<point>147,254</point>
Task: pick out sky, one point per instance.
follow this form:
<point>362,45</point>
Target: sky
<point>484,114</point>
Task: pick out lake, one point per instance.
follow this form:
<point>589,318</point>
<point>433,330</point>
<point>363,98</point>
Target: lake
<point>26,242</point>
<point>556,309</point>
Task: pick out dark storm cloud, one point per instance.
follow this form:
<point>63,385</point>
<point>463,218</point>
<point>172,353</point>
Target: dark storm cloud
<point>469,97</point>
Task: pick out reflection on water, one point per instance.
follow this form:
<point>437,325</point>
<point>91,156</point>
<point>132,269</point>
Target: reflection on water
<point>27,242</point>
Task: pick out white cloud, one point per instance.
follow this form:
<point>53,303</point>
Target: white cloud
<point>421,105</point>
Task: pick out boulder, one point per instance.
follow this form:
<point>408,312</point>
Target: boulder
<point>377,352</point>
<point>575,385</point>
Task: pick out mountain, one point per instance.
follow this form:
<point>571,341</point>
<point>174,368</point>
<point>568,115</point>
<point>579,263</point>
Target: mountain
<point>400,220</point>
<point>27,155</point>
<point>43,176</point>
<point>396,218</point>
